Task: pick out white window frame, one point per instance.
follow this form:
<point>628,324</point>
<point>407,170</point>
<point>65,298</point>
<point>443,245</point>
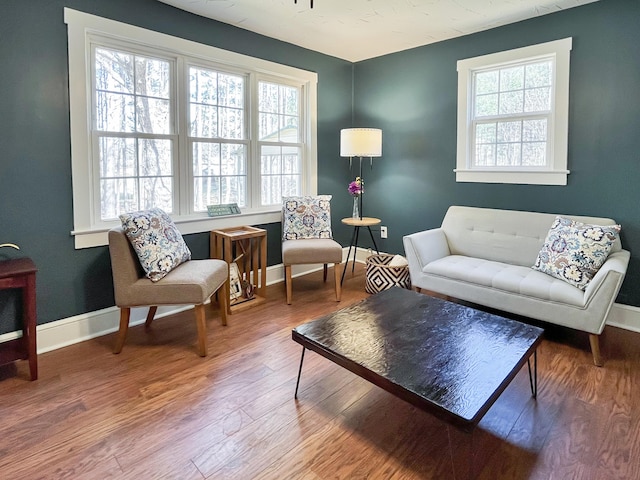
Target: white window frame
<point>82,28</point>
<point>555,173</point>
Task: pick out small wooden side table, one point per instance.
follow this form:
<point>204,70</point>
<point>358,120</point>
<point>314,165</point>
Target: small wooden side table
<point>357,223</point>
<point>21,273</point>
<point>250,244</point>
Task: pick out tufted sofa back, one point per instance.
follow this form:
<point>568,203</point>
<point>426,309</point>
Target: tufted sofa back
<point>508,236</point>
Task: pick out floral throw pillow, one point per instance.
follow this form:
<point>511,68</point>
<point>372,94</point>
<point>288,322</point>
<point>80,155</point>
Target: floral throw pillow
<point>156,240</point>
<point>575,251</point>
<point>306,217</point>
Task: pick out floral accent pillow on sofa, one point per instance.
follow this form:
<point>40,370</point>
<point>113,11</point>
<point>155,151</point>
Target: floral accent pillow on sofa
<point>156,240</point>
<point>575,251</point>
<point>306,217</point>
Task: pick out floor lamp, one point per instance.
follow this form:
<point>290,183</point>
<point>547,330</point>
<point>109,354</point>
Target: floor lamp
<point>361,142</point>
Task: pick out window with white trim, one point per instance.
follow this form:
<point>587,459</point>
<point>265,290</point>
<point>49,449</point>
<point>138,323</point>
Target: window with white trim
<point>513,116</point>
<point>159,121</point>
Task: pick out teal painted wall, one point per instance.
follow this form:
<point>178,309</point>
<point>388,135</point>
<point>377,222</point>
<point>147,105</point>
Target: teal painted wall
<point>35,163</point>
<point>412,96</point>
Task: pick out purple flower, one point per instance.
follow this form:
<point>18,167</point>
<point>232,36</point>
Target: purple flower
<point>356,187</point>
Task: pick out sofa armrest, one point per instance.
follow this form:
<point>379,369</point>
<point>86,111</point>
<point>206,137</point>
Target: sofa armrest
<point>610,275</point>
<point>424,247</point>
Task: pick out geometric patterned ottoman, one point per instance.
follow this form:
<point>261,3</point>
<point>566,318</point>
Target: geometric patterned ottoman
<point>382,276</point>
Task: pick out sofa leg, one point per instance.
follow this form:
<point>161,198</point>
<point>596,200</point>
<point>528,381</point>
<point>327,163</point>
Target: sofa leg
<point>594,340</point>
<point>287,282</point>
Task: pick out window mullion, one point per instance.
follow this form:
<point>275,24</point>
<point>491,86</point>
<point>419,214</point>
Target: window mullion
<point>183,171</point>
<point>254,175</point>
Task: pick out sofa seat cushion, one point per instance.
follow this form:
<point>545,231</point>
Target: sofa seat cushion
<point>509,278</point>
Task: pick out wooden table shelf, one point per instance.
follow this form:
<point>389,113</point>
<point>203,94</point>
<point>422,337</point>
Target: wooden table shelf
<point>247,246</point>
<point>20,273</point>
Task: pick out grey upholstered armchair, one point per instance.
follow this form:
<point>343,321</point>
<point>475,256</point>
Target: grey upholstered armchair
<point>190,283</point>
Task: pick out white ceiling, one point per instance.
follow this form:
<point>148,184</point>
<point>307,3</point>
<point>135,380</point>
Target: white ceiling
<point>359,29</point>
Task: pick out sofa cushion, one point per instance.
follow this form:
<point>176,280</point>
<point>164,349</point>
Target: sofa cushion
<point>509,278</point>
<point>575,251</point>
<point>156,240</point>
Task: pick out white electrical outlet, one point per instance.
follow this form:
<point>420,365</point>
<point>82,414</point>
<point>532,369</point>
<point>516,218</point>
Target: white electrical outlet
<point>383,232</point>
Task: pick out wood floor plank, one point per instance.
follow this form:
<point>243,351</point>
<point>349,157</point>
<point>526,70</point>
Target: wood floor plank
<point>158,410</point>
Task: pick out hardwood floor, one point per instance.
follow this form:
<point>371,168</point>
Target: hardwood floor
<point>158,410</point>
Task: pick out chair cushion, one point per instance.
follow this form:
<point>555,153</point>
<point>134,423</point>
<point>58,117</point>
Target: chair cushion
<point>306,217</point>
<point>575,251</point>
<point>311,250</point>
<point>156,240</point>
<point>192,282</point>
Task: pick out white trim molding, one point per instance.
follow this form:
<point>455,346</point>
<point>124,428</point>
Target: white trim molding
<point>79,328</point>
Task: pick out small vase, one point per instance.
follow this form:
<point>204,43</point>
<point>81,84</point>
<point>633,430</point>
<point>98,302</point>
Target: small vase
<point>356,208</point>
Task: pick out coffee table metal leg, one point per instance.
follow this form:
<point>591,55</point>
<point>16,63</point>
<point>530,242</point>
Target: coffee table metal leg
<point>295,395</point>
<point>533,379</point>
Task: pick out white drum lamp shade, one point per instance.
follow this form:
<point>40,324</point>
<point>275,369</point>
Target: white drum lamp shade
<point>361,142</point>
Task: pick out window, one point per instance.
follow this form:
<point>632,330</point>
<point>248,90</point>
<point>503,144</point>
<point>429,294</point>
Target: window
<point>159,121</point>
<point>513,116</point>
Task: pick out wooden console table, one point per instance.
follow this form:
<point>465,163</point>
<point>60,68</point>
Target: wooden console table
<point>249,246</point>
<point>21,273</point>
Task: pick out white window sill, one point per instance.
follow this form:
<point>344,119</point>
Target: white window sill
<point>530,177</point>
<point>197,224</point>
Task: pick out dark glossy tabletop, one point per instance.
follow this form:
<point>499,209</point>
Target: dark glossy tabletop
<point>441,356</point>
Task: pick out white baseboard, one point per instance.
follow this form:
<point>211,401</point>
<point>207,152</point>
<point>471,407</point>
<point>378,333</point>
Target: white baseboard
<point>71,330</point>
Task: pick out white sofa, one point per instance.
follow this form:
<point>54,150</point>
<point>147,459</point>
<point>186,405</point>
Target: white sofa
<point>484,256</point>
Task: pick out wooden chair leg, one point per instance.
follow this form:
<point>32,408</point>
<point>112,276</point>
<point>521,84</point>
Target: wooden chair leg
<point>150,316</point>
<point>594,340</point>
<point>324,277</point>
<point>125,313</point>
<point>337,278</point>
<point>202,329</point>
<point>287,282</point>
<point>223,301</point>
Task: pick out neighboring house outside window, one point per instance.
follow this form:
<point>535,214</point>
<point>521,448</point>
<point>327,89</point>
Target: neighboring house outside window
<point>159,121</point>
<point>513,116</point>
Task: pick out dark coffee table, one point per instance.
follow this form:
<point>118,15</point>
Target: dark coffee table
<point>447,359</point>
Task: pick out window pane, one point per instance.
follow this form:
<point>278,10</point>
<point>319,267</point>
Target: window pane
<point>220,174</point>
<point>486,105</point>
<point>203,86</point>
<point>217,104</point>
<point>486,133</point>
<point>509,132</point>
<point>204,121</point>
<point>231,123</point>
<point>290,186</point>
<point>508,155</point>
<point>117,157</point>
<point>537,99</point>
<point>156,192</point>
<point>538,75</point>
<point>233,159</point>
<point>533,130</point>
<point>155,157</point>
<point>117,196</point>
<point>115,112</point>
<point>206,159</point>
<point>271,190</point>
<point>511,102</point>
<point>534,154</point>
<point>279,116</point>
<point>114,71</point>
<point>487,82</point>
<point>206,192</point>
<point>152,77</point>
<point>230,91</point>
<point>485,155</point>
<point>233,190</point>
<point>289,101</point>
<point>512,78</point>
<point>268,101</point>
<point>153,115</point>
